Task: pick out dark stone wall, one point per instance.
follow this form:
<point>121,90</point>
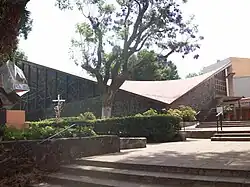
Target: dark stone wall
<point>49,155</point>
<point>199,98</point>
<point>46,83</point>
<point>125,104</point>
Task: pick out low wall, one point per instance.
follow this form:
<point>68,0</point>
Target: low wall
<point>49,155</point>
<point>199,134</point>
<point>133,143</point>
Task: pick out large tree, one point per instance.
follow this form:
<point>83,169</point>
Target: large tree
<point>151,68</point>
<point>112,33</point>
<point>14,21</point>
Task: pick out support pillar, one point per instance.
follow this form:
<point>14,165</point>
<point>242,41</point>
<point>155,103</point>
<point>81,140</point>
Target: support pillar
<point>235,113</point>
<point>240,109</point>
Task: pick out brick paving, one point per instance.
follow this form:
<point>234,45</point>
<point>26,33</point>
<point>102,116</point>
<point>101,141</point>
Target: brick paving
<point>191,153</point>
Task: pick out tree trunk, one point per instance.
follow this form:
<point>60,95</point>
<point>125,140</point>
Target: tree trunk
<point>107,103</point>
<point>10,15</point>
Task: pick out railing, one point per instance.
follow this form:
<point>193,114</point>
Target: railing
<point>219,118</point>
<point>5,161</point>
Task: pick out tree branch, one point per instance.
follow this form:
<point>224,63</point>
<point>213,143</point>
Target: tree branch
<point>99,50</point>
<point>126,26</point>
<point>138,21</point>
<point>107,69</point>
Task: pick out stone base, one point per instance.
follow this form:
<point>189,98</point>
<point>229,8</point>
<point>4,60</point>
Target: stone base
<point>133,142</point>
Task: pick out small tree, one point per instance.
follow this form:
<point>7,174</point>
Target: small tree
<point>112,33</point>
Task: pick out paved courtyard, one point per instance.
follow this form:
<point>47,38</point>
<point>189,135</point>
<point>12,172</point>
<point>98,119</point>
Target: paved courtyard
<point>192,153</point>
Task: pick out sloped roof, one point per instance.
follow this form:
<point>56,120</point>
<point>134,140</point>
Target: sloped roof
<point>167,91</point>
<point>164,91</point>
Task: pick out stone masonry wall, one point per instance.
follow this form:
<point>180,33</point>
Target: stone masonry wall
<point>49,155</point>
<point>200,98</point>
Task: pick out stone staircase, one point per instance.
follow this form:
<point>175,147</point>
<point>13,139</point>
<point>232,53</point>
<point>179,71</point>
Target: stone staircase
<point>213,124</point>
<point>231,136</point>
<point>92,173</point>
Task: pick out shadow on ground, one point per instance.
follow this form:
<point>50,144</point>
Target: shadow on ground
<point>192,153</point>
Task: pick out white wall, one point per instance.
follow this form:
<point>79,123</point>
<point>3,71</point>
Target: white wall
<point>241,86</point>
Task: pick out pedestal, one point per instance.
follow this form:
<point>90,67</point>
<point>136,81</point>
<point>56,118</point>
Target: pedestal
<point>13,118</point>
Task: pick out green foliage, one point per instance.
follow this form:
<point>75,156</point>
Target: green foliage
<point>158,128</point>
<point>42,132</point>
<point>25,24</point>
<point>88,116</point>
<point>186,113</point>
<point>150,112</point>
<point>146,67</point>
<point>175,113</point>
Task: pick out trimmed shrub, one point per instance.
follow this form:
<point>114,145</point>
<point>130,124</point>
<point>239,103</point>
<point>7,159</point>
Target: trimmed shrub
<point>42,132</point>
<point>158,128</point>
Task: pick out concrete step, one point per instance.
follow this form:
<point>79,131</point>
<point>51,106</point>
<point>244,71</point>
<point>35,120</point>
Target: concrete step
<point>46,185</point>
<point>136,176</point>
<point>234,134</point>
<point>165,169</point>
<point>228,138</point>
<point>225,124</point>
<point>67,180</point>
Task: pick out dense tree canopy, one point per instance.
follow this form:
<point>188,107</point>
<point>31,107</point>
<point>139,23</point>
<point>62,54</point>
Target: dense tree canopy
<point>111,34</point>
<point>149,68</point>
<point>14,21</point>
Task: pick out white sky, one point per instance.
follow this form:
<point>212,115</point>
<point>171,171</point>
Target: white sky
<point>223,23</point>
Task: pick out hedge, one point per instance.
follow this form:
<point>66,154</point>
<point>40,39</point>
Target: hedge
<point>35,132</point>
<point>158,128</point>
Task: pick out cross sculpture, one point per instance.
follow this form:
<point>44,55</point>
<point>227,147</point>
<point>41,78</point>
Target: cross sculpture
<point>59,106</point>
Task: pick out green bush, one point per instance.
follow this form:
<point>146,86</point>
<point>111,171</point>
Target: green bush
<point>42,132</point>
<point>158,128</point>
<point>175,113</point>
<point>150,112</point>
<point>186,113</point>
<point>88,116</point>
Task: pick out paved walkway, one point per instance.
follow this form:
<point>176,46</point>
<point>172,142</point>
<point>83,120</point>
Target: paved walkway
<point>192,153</point>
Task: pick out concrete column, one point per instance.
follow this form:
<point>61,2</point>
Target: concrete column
<point>235,113</point>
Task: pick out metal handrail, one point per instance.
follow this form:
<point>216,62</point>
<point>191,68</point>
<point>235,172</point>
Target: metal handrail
<point>41,142</point>
<point>219,119</point>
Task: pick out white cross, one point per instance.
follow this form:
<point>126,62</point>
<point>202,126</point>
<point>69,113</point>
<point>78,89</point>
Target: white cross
<point>58,108</point>
<point>59,99</point>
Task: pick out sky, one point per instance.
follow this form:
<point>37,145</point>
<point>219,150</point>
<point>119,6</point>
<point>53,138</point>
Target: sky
<point>223,23</point>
